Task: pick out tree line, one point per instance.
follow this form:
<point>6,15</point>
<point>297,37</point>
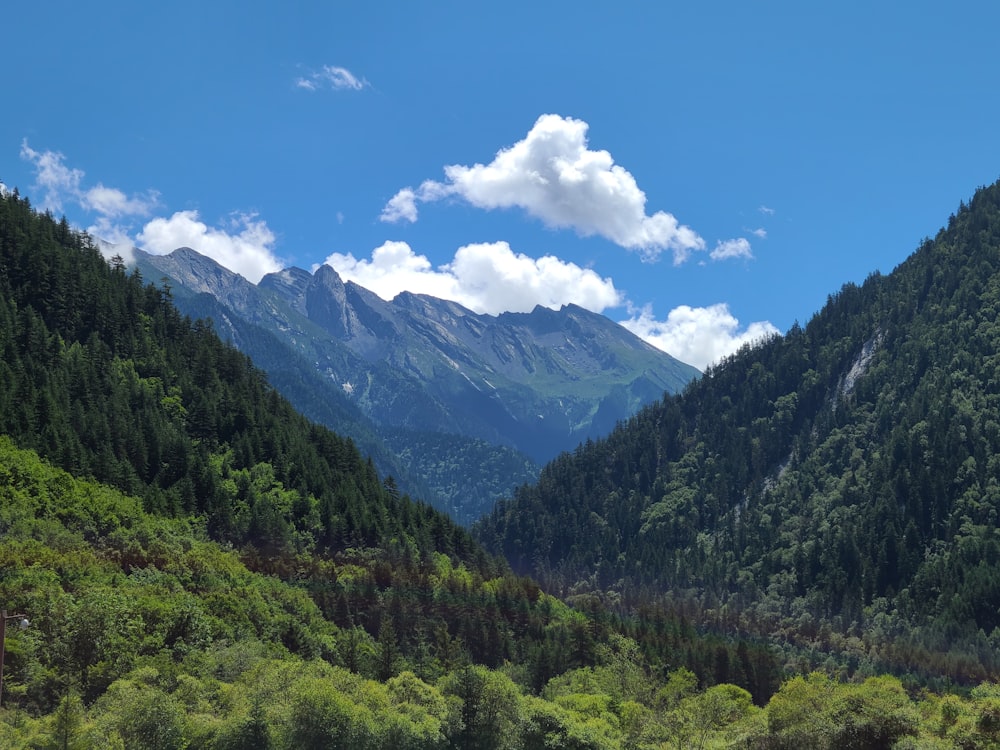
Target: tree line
<point>833,489</point>
<point>102,377</point>
<point>146,634</point>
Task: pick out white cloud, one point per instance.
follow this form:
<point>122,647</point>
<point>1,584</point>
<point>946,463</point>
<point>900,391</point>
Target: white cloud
<point>394,268</point>
<point>401,207</point>
<point>245,247</point>
<point>759,232</point>
<point>697,335</point>
<point>112,239</point>
<point>765,210</point>
<point>112,202</point>
<point>57,181</point>
<point>552,175</point>
<point>332,76</point>
<point>503,280</point>
<point>61,184</point>
<point>487,278</point>
<point>735,248</point>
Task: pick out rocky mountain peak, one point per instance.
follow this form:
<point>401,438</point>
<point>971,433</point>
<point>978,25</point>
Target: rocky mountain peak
<point>540,382</point>
<point>290,283</point>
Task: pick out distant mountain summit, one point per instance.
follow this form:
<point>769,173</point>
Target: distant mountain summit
<point>538,383</point>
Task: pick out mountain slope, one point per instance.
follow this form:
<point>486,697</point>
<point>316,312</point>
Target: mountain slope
<point>540,381</point>
<point>838,482</point>
<point>252,536</point>
<point>100,373</point>
<point>537,383</point>
<point>310,392</point>
<point>145,635</point>
<point>288,346</point>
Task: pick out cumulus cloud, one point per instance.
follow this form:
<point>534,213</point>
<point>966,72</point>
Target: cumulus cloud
<point>246,246</point>
<point>487,278</point>
<point>401,207</point>
<point>735,248</point>
<point>553,175</point>
<point>697,335</point>
<point>331,76</point>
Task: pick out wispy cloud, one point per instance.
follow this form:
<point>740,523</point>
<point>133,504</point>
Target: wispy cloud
<point>333,77</point>
<point>766,210</point>
<point>735,248</point>
<point>243,244</point>
<point>57,182</point>
<point>113,203</point>
<point>554,176</point>
<point>485,277</point>
<point>112,211</point>
<point>696,335</point>
<point>759,232</point>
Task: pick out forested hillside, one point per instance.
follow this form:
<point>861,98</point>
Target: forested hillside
<point>215,542</point>
<point>145,635</point>
<point>101,374</point>
<point>835,489</point>
<point>429,388</point>
<point>208,569</point>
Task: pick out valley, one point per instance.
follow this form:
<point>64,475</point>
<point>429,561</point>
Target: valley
<point>797,548</point>
<point>450,390</point>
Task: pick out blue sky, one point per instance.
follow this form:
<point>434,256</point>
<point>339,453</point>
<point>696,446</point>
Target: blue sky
<point>703,172</point>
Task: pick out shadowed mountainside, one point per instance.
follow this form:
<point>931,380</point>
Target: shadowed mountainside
<point>835,489</point>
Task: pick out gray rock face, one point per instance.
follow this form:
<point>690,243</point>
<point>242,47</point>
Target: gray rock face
<point>541,381</point>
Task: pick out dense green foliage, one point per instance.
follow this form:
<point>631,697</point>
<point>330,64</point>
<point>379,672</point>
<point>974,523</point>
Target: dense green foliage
<point>468,475</point>
<point>100,373</point>
<point>147,635</point>
<point>240,577</point>
<point>255,533</point>
<point>836,489</point>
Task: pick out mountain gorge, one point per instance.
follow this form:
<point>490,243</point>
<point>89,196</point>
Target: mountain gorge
<point>835,489</point>
<point>204,567</point>
<point>441,385</point>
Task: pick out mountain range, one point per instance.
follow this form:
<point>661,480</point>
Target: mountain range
<point>835,489</point>
<point>437,393</point>
<point>202,566</point>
